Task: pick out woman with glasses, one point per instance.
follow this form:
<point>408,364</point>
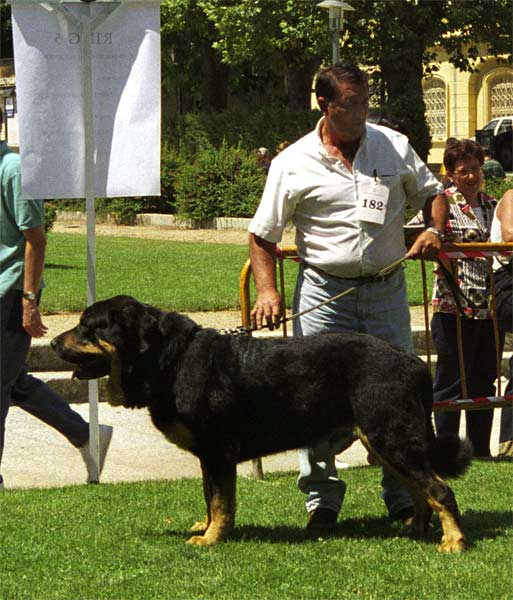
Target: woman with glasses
<point>471,214</point>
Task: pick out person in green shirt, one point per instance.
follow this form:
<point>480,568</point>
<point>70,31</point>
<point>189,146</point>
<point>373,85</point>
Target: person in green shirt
<point>492,169</point>
<point>22,253</point>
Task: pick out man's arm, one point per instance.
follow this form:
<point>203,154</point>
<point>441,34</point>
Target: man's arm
<point>505,214</point>
<point>268,306</point>
<point>35,244</point>
<point>436,214</point>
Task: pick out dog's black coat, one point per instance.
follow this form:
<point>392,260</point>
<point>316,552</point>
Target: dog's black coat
<point>230,398</point>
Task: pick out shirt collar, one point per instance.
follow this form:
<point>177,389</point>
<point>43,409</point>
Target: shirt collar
<point>322,149</point>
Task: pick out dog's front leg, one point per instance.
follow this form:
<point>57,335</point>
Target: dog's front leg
<point>219,481</point>
<point>202,526</point>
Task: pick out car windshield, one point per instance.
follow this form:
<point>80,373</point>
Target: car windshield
<point>505,126</point>
<point>491,124</point>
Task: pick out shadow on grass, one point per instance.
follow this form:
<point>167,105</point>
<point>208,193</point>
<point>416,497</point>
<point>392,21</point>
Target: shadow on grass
<point>477,525</point>
<point>63,267</point>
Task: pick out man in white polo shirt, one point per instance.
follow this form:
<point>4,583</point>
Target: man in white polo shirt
<point>344,186</point>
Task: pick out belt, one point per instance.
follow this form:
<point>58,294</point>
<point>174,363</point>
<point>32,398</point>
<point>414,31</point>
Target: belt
<point>358,280</point>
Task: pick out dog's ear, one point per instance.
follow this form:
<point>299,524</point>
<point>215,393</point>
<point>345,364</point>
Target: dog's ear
<point>138,325</point>
<point>176,330</point>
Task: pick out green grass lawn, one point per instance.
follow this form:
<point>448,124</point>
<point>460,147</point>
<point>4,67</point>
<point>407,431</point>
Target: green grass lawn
<point>126,541</point>
<point>180,276</point>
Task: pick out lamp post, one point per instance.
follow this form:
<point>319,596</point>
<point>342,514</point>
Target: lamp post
<point>336,10</point>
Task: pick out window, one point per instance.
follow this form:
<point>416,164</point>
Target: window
<point>501,95</point>
<point>436,108</point>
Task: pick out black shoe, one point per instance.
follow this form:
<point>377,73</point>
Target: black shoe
<point>405,515</point>
<point>321,521</point>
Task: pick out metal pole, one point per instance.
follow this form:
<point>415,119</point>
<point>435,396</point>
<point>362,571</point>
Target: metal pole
<point>87,87</point>
<point>336,46</point>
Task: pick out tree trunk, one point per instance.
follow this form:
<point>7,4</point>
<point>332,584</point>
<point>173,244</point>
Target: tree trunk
<point>298,82</point>
<point>405,99</point>
<point>214,81</point>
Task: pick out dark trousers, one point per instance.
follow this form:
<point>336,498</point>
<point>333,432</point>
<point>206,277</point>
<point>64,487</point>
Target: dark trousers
<point>19,388</point>
<point>481,371</point>
<point>505,317</point>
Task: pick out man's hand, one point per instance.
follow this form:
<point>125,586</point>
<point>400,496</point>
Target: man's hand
<point>268,310</point>
<point>426,246</point>
<point>32,319</point>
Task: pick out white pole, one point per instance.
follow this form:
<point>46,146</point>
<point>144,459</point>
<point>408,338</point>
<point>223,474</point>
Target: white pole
<point>86,28</point>
<point>87,86</point>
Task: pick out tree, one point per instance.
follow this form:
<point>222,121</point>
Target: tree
<point>394,39</point>
<point>193,74</point>
<point>285,37</point>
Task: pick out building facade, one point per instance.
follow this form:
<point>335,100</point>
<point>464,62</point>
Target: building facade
<point>459,102</point>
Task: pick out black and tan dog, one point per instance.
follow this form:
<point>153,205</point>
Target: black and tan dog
<point>228,399</point>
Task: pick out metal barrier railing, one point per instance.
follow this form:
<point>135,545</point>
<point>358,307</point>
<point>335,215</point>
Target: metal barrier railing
<point>449,251</point>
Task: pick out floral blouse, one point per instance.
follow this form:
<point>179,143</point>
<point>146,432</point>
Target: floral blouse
<point>473,273</point>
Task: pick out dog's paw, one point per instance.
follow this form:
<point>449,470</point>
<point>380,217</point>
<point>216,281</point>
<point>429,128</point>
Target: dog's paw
<point>199,526</point>
<point>200,540</point>
<point>453,545</point>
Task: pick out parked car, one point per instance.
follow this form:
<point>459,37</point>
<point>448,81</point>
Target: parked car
<point>497,136</point>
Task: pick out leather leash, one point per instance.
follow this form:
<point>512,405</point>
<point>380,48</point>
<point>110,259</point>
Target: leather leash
<point>241,330</point>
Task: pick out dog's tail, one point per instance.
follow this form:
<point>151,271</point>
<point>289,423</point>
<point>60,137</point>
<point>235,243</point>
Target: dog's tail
<point>450,456</point>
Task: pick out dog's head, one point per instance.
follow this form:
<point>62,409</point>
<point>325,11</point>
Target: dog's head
<point>125,339</point>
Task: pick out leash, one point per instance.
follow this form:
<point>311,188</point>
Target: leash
<point>241,330</point>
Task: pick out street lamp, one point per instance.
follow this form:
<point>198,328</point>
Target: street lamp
<point>336,10</point>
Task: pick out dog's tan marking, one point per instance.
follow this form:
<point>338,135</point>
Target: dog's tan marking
<point>200,526</point>
<point>222,512</point>
<point>107,347</point>
<point>177,433</point>
<point>453,539</point>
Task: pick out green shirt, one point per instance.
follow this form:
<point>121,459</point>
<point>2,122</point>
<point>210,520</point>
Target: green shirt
<point>16,215</point>
<point>493,168</point>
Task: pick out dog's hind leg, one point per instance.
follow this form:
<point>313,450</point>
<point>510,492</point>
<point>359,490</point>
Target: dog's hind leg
<point>441,499</point>
<point>219,485</point>
<point>428,491</point>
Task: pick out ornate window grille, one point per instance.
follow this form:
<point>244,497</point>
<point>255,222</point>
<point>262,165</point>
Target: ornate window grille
<point>436,108</point>
<point>501,96</point>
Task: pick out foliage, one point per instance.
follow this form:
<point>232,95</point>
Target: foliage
<point>283,36</point>
<point>50,215</point>
<point>266,126</point>
<point>497,187</point>
<point>220,182</point>
<point>107,542</point>
<point>394,40</point>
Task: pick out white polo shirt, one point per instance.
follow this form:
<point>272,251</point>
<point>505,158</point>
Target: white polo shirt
<point>319,195</point>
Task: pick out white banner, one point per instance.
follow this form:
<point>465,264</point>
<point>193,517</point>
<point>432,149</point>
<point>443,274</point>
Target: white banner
<point>125,61</point>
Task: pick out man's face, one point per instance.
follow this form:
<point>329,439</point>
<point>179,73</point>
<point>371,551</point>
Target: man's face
<point>347,112</point>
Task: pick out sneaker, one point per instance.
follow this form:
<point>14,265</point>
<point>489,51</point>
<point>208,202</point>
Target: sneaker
<point>105,438</point>
<point>321,521</point>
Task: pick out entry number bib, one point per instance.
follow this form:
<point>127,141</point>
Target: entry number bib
<point>372,203</point>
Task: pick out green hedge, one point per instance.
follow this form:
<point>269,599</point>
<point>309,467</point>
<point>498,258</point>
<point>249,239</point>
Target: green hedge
<point>497,187</point>
<point>224,182</point>
<point>248,129</point>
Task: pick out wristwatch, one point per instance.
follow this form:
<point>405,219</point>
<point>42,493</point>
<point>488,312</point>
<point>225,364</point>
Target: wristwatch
<point>29,296</point>
<point>439,234</point>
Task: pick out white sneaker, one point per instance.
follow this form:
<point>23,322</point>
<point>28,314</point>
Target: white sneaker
<point>85,451</point>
